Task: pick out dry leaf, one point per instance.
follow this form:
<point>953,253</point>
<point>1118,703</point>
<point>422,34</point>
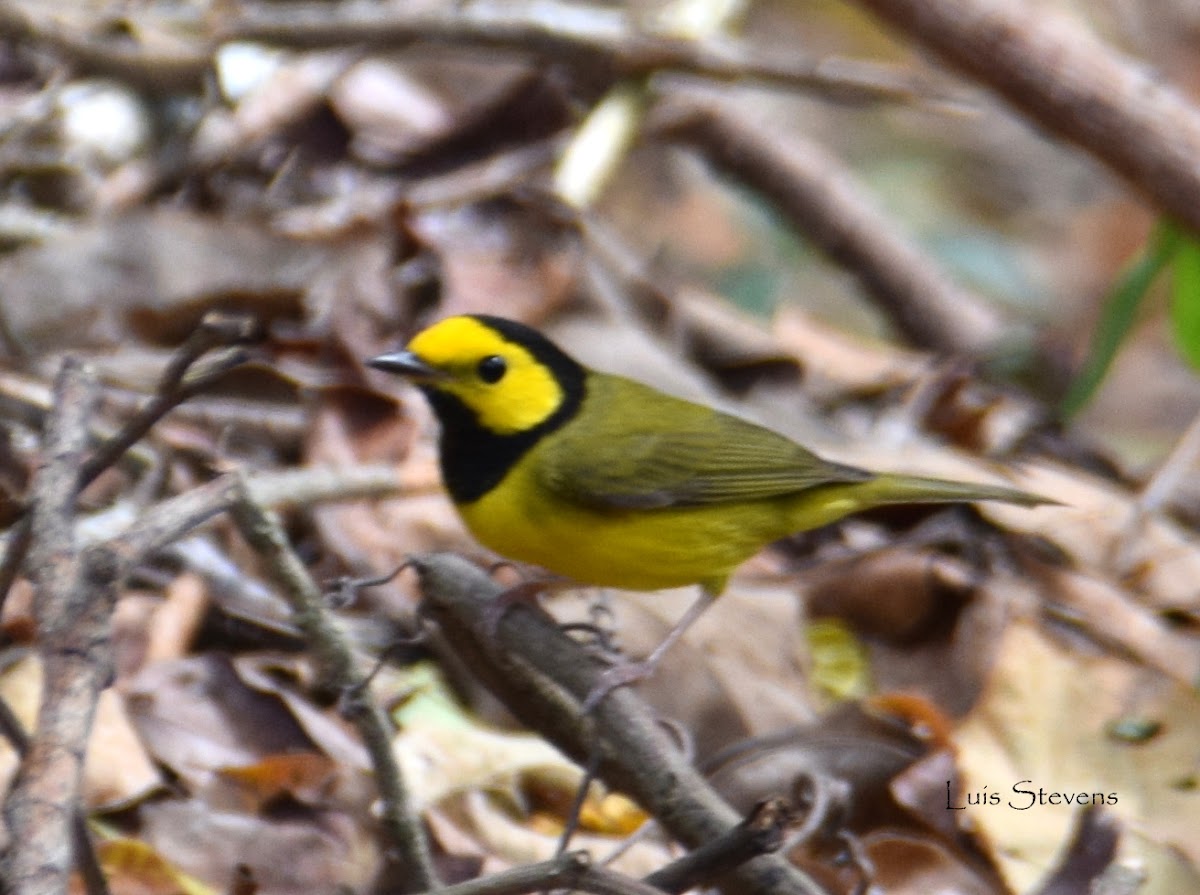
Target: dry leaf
<point>1038,740</point>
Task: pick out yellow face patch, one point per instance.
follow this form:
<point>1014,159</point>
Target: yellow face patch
<point>509,390</point>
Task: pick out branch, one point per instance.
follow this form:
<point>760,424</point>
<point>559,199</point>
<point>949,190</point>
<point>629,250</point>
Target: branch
<point>109,563</point>
<point>571,870</point>
<point>543,676</point>
<point>77,587</point>
<point>76,591</point>
<point>759,834</point>
<point>156,69</point>
<point>180,381</point>
<point>409,860</point>
<point>829,207</point>
<point>582,36</point>
<point>1062,77</point>
<point>176,386</point>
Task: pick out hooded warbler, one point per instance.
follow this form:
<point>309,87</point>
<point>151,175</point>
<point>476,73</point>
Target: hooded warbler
<point>609,482</point>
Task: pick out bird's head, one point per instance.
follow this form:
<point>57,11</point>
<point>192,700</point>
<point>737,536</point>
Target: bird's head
<point>509,377</point>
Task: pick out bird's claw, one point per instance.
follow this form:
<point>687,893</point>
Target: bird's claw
<point>527,593</point>
<point>614,678</point>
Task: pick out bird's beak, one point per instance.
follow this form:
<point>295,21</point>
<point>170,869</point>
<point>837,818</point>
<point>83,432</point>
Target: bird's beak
<point>407,364</point>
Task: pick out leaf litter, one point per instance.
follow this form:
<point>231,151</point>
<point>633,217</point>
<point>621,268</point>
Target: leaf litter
<point>998,645</point>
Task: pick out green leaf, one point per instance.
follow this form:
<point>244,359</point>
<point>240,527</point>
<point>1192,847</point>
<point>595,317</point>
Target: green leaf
<point>1185,301</point>
<point>1120,312</point>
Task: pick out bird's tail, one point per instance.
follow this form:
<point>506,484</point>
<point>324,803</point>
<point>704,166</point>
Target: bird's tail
<point>891,488</point>
<point>819,506</point>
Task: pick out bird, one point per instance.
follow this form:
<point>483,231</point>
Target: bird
<point>608,482</point>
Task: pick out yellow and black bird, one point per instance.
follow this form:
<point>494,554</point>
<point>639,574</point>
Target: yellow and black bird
<point>609,482</point>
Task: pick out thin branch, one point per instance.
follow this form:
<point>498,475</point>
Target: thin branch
<point>110,561</point>
<point>180,381</point>
<point>136,532</point>
<point>571,870</point>
<point>75,594</point>
<point>759,834</point>
<point>830,208</point>
<point>175,386</point>
<point>583,36</point>
<point>543,676</point>
<point>411,862</point>
<point>77,589</point>
<point>302,488</point>
<point>1171,472</point>
<point>85,856</point>
<point>1061,76</point>
<point>285,489</point>
<point>1157,491</point>
<point>170,520</point>
<point>172,69</point>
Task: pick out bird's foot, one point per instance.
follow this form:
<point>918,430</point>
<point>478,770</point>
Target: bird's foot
<point>526,593</point>
<point>632,672</point>
<point>616,677</point>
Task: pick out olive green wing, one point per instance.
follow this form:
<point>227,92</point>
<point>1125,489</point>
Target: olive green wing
<point>631,447</point>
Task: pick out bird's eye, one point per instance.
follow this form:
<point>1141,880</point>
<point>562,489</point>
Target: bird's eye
<point>492,368</point>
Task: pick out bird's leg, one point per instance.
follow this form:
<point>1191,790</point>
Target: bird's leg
<point>632,672</point>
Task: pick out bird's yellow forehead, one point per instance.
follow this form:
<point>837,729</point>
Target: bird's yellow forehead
<point>458,341</point>
<point>526,395</point>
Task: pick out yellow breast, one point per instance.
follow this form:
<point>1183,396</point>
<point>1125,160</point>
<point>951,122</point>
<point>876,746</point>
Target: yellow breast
<point>632,549</point>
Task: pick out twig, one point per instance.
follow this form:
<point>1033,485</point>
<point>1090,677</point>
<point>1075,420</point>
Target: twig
<point>1157,490</point>
<point>760,833</point>
<point>579,35</point>
<point>286,489</point>
<point>75,594</point>
<point>214,331</point>
<point>303,488</point>
<point>29,400</point>
<point>827,205</point>
<point>167,522</point>
<point>1059,75</point>
<point>87,862</point>
<point>1171,471</point>
<point>571,870</point>
<point>77,589</point>
<point>85,856</point>
<point>171,70</point>
<point>409,858</point>
<point>543,676</point>
<point>571,827</point>
<point>109,562</point>
<point>175,387</point>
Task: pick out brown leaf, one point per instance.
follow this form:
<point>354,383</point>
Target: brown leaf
<point>1037,746</point>
<point>305,776</point>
